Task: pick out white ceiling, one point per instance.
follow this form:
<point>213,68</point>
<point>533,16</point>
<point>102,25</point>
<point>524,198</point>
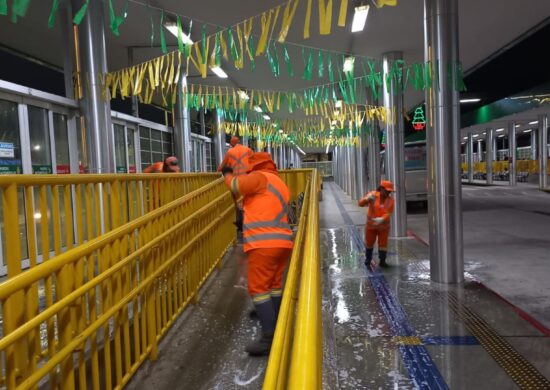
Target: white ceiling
<point>485,27</point>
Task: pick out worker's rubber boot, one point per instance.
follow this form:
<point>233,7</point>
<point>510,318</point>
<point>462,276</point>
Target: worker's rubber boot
<point>382,255</point>
<point>266,315</point>
<point>368,258</point>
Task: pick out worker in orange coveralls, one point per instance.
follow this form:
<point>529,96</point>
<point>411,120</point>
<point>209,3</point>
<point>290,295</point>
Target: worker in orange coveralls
<point>380,207</point>
<point>237,159</point>
<point>267,240</point>
<point>169,165</point>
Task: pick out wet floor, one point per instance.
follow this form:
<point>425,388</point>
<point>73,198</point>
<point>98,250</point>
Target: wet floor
<point>382,329</point>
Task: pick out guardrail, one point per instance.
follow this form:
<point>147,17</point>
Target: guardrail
<point>107,302</point>
<point>295,360</point>
<point>524,166</point>
<point>43,215</point>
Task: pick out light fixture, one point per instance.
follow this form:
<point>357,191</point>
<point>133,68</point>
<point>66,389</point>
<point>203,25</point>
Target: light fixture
<point>533,123</point>
<point>527,131</point>
<point>173,28</point>
<point>500,136</point>
<point>465,138</point>
<point>474,100</point>
<point>266,117</point>
<point>243,95</point>
<point>484,133</point>
<point>37,215</point>
<point>475,135</point>
<point>499,130</point>
<point>36,147</point>
<point>257,108</point>
<point>219,72</point>
<point>517,125</point>
<point>338,104</point>
<point>359,18</point>
<point>348,64</point>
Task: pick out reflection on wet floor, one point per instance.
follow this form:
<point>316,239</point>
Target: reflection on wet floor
<point>373,343</point>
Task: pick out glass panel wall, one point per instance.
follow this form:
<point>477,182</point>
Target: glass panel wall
<point>120,148</point>
<point>61,138</point>
<point>39,133</point>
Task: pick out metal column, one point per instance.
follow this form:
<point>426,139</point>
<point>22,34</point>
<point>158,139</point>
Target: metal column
<point>543,151</point>
<point>443,141</point>
<point>395,146</point>
<point>534,145</point>
<point>360,163</point>
<point>182,127</point>
<point>373,152</point>
<point>95,108</point>
<point>512,167</point>
<point>479,150</point>
<point>489,147</point>
<point>470,157</point>
<point>219,138</point>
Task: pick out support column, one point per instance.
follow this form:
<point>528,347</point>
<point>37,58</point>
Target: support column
<point>489,145</point>
<point>470,158</point>
<point>543,151</point>
<point>95,109</point>
<point>361,165</point>
<point>373,154</point>
<point>182,127</point>
<point>512,167</point>
<point>395,146</point>
<point>534,145</point>
<point>133,98</point>
<point>443,143</point>
<point>219,138</point>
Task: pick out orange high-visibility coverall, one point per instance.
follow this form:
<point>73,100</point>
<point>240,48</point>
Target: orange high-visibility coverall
<point>267,235</point>
<point>377,209</point>
<point>237,158</point>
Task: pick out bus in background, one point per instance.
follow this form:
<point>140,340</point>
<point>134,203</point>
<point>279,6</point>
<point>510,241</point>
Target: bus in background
<point>416,176</point>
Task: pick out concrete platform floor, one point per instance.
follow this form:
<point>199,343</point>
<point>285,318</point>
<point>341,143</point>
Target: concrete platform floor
<point>390,329</point>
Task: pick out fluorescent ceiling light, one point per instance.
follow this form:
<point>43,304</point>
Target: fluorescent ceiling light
<point>465,138</point>
<point>348,64</point>
<point>173,28</point>
<point>257,109</point>
<point>476,135</point>
<point>499,130</point>
<point>267,118</point>
<point>484,133</point>
<point>36,147</point>
<point>37,215</point>
<point>518,125</point>
<point>475,100</point>
<point>533,123</point>
<point>243,95</point>
<point>527,131</point>
<point>359,18</point>
<point>500,136</point>
<point>338,104</point>
<point>219,72</point>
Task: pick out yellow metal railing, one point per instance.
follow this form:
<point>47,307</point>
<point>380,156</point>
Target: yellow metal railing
<point>43,215</point>
<point>89,317</point>
<point>296,360</point>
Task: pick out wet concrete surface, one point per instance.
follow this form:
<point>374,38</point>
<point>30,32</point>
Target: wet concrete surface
<point>387,329</point>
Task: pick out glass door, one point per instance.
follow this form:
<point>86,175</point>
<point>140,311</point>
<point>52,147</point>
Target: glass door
<point>10,140</point>
<point>61,142</point>
<point>131,142</point>
<point>39,134</point>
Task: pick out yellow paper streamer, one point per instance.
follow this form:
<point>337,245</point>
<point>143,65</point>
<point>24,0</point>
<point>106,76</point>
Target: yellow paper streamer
<point>288,16</point>
<point>343,13</point>
<point>325,17</point>
<point>308,20</point>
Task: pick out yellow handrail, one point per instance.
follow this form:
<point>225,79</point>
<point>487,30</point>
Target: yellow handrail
<point>130,284</point>
<point>295,361</point>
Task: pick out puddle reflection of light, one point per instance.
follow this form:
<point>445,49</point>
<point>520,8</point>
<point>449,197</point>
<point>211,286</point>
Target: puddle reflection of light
<point>342,311</point>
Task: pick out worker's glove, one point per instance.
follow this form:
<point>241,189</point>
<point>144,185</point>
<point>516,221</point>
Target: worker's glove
<point>226,169</point>
<point>370,198</point>
<point>378,221</point>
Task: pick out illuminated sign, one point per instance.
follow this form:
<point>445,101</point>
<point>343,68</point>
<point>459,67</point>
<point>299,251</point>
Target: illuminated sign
<point>419,123</point>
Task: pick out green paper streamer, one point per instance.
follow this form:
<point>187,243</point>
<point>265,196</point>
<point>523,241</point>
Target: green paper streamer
<point>250,44</point>
<point>3,7</point>
<point>308,65</point>
<point>320,59</point>
<point>204,53</point>
<point>218,50</point>
<point>330,70</point>
<point>180,34</point>
<point>188,47</point>
<point>232,46</point>
<point>19,8</point>
<point>162,39</point>
<point>276,60</point>
<point>80,14</point>
<point>116,21</point>
<point>53,12</point>
<point>289,68</point>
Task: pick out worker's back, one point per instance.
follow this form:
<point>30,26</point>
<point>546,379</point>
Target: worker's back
<point>237,158</point>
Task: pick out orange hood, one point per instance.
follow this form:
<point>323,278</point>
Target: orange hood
<point>261,161</point>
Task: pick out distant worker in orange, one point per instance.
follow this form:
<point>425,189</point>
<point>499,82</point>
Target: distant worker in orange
<point>169,165</point>
<point>267,240</point>
<point>380,207</point>
<point>237,158</point>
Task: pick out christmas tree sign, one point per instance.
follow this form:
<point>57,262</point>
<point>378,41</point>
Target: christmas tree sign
<point>419,122</point>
